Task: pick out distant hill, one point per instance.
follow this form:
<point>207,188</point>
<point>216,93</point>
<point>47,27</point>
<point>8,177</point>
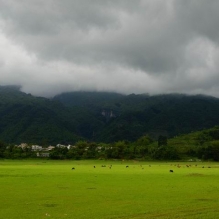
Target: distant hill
<point>136,115</point>
<point>101,116</point>
<point>88,99</point>
<point>25,118</point>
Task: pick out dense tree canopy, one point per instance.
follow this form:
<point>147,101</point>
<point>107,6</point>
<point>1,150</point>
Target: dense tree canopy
<point>101,117</point>
<point>183,147</point>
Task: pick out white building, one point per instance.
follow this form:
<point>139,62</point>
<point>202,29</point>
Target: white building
<point>36,148</point>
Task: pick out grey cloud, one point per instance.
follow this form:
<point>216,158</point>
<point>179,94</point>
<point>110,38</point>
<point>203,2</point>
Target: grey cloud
<point>200,17</point>
<point>128,46</point>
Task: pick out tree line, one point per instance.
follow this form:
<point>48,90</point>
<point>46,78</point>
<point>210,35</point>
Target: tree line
<point>203,145</point>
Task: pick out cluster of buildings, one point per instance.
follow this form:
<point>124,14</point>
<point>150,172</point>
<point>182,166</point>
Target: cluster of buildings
<point>42,151</point>
<point>45,151</point>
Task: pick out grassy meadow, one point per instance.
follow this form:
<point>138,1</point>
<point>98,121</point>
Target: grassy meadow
<point>52,189</point>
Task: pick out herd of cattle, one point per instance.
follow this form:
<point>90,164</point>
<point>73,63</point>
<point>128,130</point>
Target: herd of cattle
<point>171,171</point>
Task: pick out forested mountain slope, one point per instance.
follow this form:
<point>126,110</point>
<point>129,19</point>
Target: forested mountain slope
<point>136,115</point>
<point>100,116</point>
<point>25,118</point>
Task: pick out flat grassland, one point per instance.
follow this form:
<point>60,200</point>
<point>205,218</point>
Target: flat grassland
<point>127,189</point>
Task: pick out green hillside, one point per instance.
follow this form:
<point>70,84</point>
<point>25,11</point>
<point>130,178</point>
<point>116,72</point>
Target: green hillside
<point>136,115</point>
<point>25,118</point>
<point>100,116</point>
<point>202,144</point>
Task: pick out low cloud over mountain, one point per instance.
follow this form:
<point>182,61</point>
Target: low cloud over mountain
<point>142,46</point>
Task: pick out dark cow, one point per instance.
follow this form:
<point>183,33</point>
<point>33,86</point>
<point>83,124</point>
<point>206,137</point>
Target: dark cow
<point>171,171</point>
<point>127,166</point>
<point>72,168</point>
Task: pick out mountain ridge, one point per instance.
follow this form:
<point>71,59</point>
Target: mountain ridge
<point>101,116</point>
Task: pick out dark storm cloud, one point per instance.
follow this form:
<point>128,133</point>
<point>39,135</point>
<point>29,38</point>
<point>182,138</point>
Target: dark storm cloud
<point>153,46</point>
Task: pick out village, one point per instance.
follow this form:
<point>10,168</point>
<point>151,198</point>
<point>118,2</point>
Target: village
<point>46,152</point>
<point>43,151</point>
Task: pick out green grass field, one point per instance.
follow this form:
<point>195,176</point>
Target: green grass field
<point>51,189</point>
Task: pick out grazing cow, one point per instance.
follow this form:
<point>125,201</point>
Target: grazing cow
<point>127,166</point>
<point>171,171</point>
<point>72,168</point>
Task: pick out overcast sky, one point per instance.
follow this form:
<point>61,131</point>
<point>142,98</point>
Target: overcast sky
<point>126,46</point>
